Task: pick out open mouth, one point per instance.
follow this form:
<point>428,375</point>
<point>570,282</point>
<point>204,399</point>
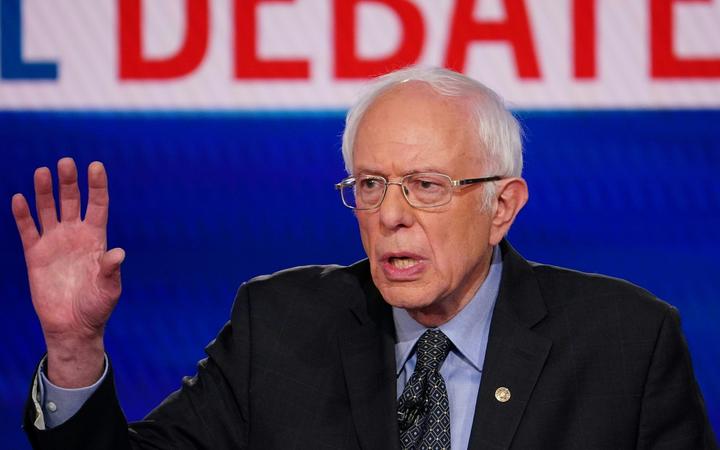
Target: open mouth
<point>402,262</point>
<point>403,266</point>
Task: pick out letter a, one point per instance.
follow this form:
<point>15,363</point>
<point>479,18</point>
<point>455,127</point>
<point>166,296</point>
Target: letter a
<point>515,29</point>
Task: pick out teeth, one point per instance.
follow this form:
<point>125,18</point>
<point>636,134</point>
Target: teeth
<point>403,263</point>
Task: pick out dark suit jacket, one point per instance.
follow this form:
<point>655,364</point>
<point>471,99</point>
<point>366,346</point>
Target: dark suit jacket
<point>307,362</point>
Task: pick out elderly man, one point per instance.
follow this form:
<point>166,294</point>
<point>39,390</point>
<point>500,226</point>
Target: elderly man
<point>444,337</point>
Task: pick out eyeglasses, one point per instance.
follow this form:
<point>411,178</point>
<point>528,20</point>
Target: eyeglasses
<point>421,190</point>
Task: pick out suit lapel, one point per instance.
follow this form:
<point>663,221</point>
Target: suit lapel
<point>515,355</point>
<point>367,350</point>
<point>514,359</point>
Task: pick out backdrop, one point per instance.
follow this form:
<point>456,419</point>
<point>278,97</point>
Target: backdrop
<point>219,173</point>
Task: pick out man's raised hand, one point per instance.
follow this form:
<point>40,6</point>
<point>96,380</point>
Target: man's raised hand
<point>74,280</point>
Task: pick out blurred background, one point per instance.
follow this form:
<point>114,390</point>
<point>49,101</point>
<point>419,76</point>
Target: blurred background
<point>219,123</point>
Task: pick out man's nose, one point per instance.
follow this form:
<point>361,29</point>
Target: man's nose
<point>395,211</point>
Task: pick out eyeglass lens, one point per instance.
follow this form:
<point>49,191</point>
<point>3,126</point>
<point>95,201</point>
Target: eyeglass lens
<point>421,190</point>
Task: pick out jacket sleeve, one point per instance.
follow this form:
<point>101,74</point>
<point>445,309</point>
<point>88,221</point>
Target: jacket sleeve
<point>209,411</point>
<point>673,412</point>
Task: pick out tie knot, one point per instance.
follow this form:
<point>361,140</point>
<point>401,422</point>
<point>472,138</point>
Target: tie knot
<point>432,349</point>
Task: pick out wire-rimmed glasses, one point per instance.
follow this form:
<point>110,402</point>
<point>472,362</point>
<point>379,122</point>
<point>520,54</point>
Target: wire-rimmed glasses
<point>421,190</point>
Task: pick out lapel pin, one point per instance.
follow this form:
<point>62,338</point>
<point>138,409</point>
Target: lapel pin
<point>502,394</point>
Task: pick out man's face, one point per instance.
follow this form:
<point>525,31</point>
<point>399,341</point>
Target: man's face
<point>428,261</point>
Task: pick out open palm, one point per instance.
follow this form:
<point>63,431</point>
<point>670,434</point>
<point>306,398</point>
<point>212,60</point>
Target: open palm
<point>74,280</point>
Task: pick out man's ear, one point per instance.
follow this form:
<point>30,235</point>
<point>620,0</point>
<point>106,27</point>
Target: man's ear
<point>511,195</point>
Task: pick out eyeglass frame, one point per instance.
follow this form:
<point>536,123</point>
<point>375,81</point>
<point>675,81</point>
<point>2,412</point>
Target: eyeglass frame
<point>344,183</point>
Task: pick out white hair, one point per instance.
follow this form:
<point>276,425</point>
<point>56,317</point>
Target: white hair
<point>498,130</point>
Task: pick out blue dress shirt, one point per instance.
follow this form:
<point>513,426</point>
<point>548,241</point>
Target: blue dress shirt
<point>59,404</point>
<point>468,331</point>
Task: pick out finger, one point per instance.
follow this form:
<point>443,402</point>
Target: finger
<point>98,198</point>
<point>44,200</point>
<point>26,225</point>
<point>110,262</point>
<point>69,192</point>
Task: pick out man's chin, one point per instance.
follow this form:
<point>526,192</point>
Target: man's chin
<point>406,296</point>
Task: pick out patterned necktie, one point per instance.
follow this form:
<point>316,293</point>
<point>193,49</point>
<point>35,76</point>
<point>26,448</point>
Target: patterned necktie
<point>423,407</point>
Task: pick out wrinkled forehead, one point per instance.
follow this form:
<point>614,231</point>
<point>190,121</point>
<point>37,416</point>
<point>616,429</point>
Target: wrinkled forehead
<point>414,128</point>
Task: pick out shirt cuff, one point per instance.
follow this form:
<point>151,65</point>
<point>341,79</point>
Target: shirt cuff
<point>54,405</point>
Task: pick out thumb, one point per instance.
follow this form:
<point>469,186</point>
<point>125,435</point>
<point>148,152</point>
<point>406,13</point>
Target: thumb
<point>110,262</point>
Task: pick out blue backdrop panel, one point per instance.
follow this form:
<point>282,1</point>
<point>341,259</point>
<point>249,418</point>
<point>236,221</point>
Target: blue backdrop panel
<point>202,202</point>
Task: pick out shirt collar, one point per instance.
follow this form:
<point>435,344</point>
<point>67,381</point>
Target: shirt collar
<point>468,330</point>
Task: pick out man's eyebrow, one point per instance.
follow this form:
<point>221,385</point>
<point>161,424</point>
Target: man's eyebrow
<point>370,171</point>
<point>426,169</point>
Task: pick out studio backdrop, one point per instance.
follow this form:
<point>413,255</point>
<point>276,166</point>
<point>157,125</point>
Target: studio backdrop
<point>219,123</point>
